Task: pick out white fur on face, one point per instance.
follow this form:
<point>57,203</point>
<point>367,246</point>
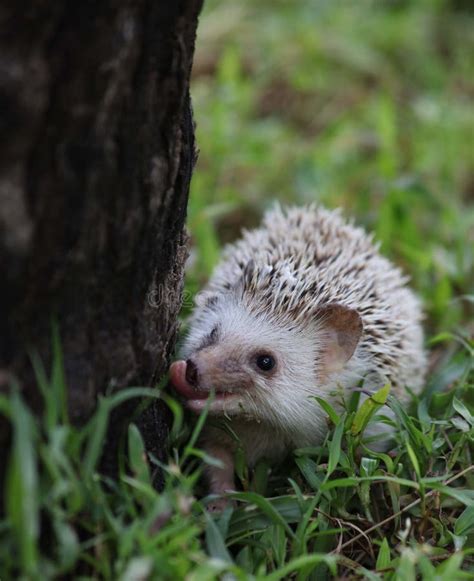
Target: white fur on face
<point>280,398</point>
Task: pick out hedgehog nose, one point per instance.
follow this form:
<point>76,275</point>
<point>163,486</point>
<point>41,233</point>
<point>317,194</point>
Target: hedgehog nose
<point>191,372</point>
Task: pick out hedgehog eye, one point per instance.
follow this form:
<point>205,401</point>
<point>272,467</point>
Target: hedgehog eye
<point>213,335</point>
<point>265,362</point>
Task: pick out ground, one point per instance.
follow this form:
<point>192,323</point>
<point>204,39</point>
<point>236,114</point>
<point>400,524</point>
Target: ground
<point>365,106</point>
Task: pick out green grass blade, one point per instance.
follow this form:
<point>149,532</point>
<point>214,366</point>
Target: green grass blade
<point>303,562</point>
<point>368,409</point>
<point>465,522</point>
<point>215,542</point>
<point>383,558</point>
<point>335,448</point>
<point>266,507</point>
<point>22,485</point>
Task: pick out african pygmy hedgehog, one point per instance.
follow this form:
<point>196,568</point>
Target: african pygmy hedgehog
<point>300,307</point>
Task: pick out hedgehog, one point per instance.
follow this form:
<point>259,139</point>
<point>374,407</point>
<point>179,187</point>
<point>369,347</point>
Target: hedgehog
<point>303,306</point>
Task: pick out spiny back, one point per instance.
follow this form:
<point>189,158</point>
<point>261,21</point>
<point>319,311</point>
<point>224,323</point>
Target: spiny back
<point>303,258</point>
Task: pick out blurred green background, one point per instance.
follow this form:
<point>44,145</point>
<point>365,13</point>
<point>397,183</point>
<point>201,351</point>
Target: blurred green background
<point>364,105</point>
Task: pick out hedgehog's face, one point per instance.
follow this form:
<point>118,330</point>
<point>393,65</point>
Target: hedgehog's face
<point>256,367</point>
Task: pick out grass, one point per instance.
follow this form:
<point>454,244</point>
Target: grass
<point>334,509</point>
<point>365,106</point>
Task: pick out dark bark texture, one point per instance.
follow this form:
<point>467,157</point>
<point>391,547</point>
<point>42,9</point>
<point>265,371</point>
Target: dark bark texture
<point>96,154</point>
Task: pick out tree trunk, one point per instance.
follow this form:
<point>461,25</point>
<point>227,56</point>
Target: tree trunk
<point>96,154</point>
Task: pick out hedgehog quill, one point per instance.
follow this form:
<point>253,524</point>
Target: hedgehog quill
<point>300,307</point>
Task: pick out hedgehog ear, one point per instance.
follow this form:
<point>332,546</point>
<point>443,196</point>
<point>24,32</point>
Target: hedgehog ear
<point>342,329</point>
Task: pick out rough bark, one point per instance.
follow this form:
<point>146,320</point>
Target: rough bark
<point>96,154</point>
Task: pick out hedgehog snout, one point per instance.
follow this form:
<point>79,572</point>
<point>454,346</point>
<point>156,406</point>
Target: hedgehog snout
<point>217,367</point>
<point>191,372</point>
